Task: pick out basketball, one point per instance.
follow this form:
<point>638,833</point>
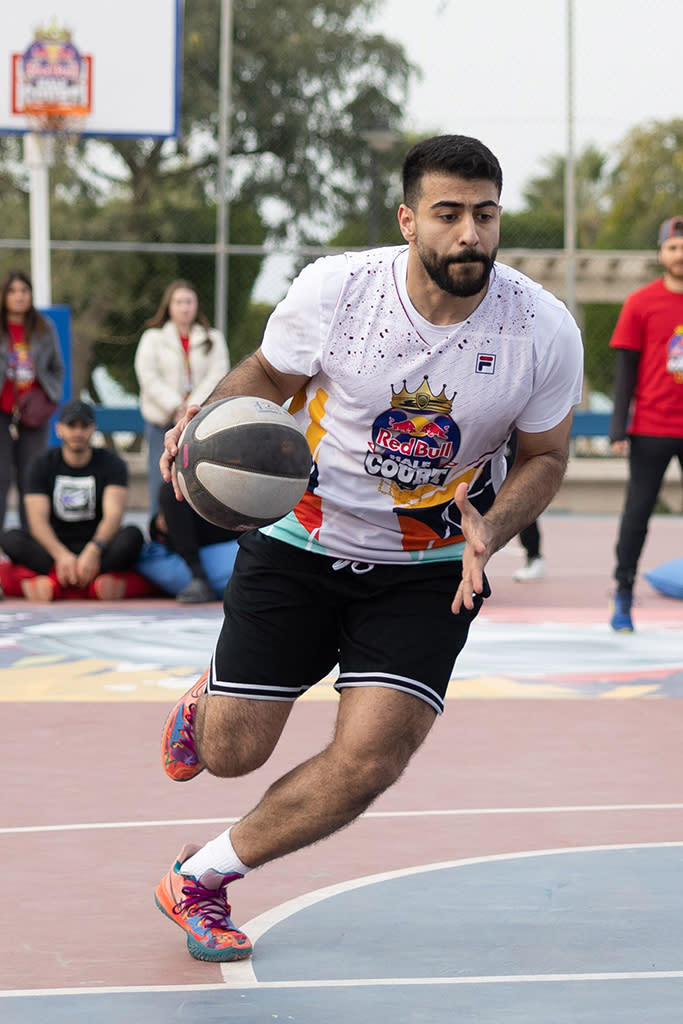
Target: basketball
<point>242,462</point>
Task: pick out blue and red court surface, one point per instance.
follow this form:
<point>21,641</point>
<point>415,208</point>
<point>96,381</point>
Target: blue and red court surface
<point>526,868</point>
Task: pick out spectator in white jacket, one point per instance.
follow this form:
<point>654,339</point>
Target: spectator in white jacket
<point>179,360</point>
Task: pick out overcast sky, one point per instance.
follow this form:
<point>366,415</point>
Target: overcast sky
<point>497,69</point>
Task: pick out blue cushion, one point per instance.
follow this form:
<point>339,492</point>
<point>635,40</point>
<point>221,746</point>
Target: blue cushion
<point>172,574</point>
<point>667,578</point>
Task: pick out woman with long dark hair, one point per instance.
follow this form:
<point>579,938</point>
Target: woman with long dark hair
<point>31,381</point>
<point>179,360</point>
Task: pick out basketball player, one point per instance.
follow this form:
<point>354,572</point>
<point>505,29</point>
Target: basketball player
<point>407,367</point>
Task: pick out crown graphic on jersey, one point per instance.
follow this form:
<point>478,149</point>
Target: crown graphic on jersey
<point>422,400</point>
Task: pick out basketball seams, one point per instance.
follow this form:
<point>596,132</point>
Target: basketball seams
<point>243,463</point>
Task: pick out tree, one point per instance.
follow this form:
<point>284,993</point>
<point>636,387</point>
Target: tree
<point>307,79</point>
<point>645,186</point>
<point>540,224</point>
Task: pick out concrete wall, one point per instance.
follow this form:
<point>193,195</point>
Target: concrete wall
<point>591,486</point>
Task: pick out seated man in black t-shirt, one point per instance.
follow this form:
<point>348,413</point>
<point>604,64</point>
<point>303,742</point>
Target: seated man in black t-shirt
<point>75,545</point>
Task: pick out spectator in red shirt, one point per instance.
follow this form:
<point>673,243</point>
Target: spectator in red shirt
<point>647,422</point>
<point>31,367</point>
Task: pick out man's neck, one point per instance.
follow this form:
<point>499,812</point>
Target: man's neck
<point>77,460</point>
<point>673,284</point>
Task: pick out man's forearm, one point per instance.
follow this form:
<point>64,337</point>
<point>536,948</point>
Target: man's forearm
<point>527,491</point>
<point>625,376</point>
<point>47,538</point>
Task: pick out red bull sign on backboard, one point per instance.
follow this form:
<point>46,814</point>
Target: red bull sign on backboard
<point>117,70</point>
<point>52,77</point>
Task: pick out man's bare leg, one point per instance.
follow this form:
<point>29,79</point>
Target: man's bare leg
<point>377,732</point>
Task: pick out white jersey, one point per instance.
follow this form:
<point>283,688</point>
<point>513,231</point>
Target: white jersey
<point>399,411</point>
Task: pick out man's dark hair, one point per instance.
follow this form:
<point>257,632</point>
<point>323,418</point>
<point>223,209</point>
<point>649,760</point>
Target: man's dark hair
<point>448,154</point>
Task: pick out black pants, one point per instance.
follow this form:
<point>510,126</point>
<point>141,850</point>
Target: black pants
<point>15,458</point>
<point>649,458</point>
<point>120,554</point>
<point>530,537</point>
<point>187,531</point>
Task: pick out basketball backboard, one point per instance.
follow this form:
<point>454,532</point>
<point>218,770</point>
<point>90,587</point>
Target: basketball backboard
<point>115,69</point>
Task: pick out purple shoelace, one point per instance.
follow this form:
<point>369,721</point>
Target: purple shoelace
<point>210,904</point>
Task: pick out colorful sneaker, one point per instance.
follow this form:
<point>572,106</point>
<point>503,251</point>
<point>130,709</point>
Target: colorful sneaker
<point>621,620</point>
<point>178,755</point>
<point>200,906</point>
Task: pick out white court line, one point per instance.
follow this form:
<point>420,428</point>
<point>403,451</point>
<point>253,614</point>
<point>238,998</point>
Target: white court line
<point>492,979</point>
<point>241,974</point>
<point>444,812</point>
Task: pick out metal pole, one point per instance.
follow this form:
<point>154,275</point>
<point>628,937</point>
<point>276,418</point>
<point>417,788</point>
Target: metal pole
<point>379,140</point>
<point>569,176</point>
<point>223,205</point>
<point>373,211</point>
<point>39,157</point>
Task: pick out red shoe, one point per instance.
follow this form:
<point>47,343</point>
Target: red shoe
<point>200,907</point>
<point>178,753</point>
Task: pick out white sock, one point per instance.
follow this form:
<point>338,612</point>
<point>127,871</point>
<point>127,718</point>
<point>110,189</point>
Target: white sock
<point>217,855</point>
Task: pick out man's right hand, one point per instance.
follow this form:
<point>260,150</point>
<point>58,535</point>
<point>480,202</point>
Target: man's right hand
<point>66,568</point>
<point>168,456</point>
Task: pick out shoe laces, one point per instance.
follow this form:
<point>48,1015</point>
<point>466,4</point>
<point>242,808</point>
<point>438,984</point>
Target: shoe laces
<point>210,904</point>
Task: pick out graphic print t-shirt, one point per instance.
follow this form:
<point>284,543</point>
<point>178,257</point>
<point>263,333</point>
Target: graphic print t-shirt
<point>75,493</point>
<point>20,372</point>
<point>399,412</point>
<point>651,322</point>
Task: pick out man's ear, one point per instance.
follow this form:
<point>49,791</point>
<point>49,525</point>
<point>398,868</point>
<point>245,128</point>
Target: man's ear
<point>406,222</point>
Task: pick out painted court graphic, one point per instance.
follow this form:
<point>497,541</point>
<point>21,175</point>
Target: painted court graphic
<point>525,868</point>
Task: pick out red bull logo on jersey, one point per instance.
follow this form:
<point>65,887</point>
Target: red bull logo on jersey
<point>415,441</point>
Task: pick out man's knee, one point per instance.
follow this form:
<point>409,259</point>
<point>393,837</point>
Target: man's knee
<point>233,736</point>
<point>377,733</point>
<point>367,775</point>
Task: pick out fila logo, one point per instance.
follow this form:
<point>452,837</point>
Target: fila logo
<point>486,363</point>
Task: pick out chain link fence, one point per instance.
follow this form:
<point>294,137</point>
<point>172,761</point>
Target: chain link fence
<point>113,254</point>
<point>92,277</point>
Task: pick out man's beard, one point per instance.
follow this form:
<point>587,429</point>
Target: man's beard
<point>438,269</point>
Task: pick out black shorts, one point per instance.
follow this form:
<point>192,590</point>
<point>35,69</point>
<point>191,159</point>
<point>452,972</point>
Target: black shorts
<point>291,616</point>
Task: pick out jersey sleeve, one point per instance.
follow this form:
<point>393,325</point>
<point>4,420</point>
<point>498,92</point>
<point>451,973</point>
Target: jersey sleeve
<point>39,480</point>
<point>558,379</point>
<point>300,323</point>
<point>628,332</point>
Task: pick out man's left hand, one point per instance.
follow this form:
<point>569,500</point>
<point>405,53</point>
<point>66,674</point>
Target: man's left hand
<point>478,538</point>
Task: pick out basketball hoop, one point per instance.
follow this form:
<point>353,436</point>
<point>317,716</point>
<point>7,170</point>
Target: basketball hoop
<point>58,126</point>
